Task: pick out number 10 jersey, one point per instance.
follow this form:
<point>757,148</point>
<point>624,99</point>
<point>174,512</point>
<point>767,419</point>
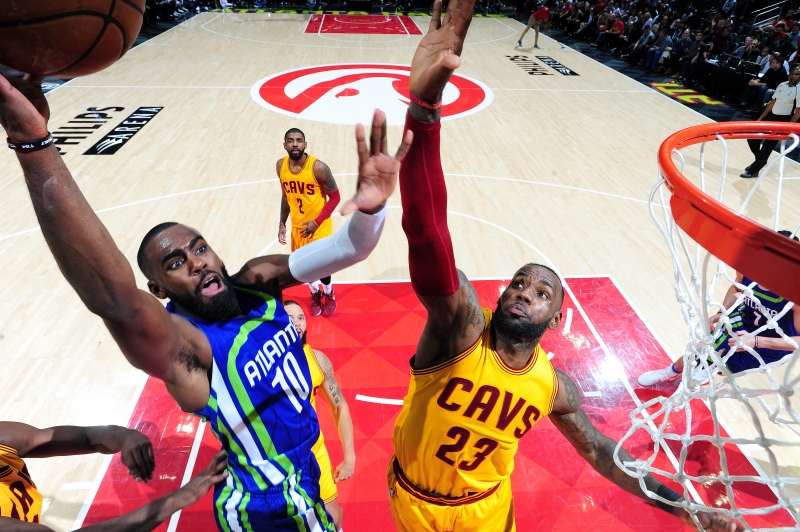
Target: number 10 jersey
<point>462,420</point>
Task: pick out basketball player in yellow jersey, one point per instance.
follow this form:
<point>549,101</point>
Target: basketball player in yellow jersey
<point>322,378</point>
<point>479,378</point>
<point>308,195</point>
<point>21,502</point>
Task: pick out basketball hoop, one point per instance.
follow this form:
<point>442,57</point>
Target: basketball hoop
<point>707,240</point>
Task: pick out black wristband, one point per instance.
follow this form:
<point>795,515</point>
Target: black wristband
<point>666,493</point>
<point>31,145</point>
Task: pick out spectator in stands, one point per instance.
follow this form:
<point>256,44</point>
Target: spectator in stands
<point>766,66</point>
<point>739,51</point>
<point>692,68</point>
<point>611,36</point>
<point>663,42</point>
<point>647,22</point>
<point>681,64</point>
<point>785,47</point>
<point>676,29</point>
<point>795,33</point>
<point>751,52</point>
<point>672,54</point>
<point>631,35</point>
<point>721,37</point>
<point>639,48</point>
<point>728,7</point>
<point>576,18</point>
<point>779,109</point>
<point>588,26</point>
<point>762,88</point>
<point>787,21</point>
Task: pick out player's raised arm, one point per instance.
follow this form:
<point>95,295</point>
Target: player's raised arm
<point>455,319</point>
<point>31,442</point>
<point>355,240</point>
<point>598,450</point>
<point>84,250</point>
<point>152,514</point>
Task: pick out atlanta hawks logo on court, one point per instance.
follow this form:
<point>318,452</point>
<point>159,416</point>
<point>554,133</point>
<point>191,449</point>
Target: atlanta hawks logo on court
<point>349,93</point>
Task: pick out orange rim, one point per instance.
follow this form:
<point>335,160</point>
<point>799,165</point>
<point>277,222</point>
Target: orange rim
<point>756,251</point>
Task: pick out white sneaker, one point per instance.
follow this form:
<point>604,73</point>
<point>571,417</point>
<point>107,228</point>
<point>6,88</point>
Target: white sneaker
<point>649,378</point>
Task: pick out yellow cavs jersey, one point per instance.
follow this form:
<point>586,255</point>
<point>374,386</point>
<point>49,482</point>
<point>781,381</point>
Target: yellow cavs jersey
<point>316,373</point>
<point>303,193</point>
<point>462,420</point>
<point>19,498</point>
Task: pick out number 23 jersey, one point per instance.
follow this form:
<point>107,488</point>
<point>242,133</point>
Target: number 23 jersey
<point>461,421</point>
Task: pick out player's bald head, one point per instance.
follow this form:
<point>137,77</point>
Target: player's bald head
<point>546,275</point>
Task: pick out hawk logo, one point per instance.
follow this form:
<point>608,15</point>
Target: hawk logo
<point>349,93</point>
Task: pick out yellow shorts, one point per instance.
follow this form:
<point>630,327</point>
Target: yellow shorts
<point>324,230</point>
<point>413,511</point>
<point>327,487</point>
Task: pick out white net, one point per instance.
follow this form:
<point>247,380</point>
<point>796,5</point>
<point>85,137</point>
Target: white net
<point>753,476</point>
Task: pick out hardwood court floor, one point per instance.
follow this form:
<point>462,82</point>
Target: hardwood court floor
<point>556,169</point>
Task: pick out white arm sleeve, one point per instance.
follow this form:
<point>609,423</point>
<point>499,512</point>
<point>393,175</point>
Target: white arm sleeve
<point>351,244</point>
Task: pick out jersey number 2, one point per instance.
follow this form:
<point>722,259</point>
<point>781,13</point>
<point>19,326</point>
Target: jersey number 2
<point>484,447</point>
<point>300,205</point>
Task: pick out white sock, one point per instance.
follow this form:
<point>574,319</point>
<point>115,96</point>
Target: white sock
<point>327,288</point>
<point>313,286</point>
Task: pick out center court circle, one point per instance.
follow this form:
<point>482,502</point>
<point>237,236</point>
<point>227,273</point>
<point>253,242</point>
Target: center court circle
<point>348,93</point>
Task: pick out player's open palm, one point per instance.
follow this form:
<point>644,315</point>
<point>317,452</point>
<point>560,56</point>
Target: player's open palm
<point>438,53</point>
<point>377,169</point>
<point>23,109</point>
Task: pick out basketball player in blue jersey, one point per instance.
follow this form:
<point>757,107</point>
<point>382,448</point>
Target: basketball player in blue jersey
<point>224,345</point>
<point>747,318</point>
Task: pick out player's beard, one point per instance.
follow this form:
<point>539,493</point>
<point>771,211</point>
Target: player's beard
<point>516,328</point>
<point>303,337</point>
<point>297,157</point>
<point>216,308</point>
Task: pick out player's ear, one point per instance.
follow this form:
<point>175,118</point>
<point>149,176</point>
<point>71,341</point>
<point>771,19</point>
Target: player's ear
<point>156,289</point>
<point>555,321</point>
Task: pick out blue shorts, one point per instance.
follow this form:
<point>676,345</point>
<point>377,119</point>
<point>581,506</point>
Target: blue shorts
<point>293,506</point>
<point>743,360</point>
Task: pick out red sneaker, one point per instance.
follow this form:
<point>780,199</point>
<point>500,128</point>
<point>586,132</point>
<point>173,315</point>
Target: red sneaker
<point>330,304</point>
<point>316,303</point>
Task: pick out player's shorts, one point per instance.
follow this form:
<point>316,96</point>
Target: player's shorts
<point>324,230</point>
<point>414,510</point>
<point>327,487</point>
<point>742,360</point>
<point>292,506</point>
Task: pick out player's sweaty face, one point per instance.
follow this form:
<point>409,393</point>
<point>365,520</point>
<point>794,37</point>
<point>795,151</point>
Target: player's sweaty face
<point>190,273</point>
<point>295,145</point>
<point>528,306</point>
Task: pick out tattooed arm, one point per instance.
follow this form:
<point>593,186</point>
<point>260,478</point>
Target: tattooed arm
<point>598,450</point>
<point>341,412</point>
<point>454,323</point>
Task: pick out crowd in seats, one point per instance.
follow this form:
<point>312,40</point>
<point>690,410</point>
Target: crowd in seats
<point>718,52</point>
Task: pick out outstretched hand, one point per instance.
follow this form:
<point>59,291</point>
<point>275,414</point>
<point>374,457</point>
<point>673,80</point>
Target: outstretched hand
<point>194,490</point>
<point>711,522</point>
<point>377,170</point>
<point>438,53</point>
<point>23,108</point>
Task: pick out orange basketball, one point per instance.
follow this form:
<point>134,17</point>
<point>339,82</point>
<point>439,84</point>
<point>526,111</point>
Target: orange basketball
<point>67,38</point>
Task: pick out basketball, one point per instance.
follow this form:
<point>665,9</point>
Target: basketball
<point>67,38</point>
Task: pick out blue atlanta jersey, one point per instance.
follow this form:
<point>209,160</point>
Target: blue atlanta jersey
<point>774,304</point>
<point>259,408</point>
